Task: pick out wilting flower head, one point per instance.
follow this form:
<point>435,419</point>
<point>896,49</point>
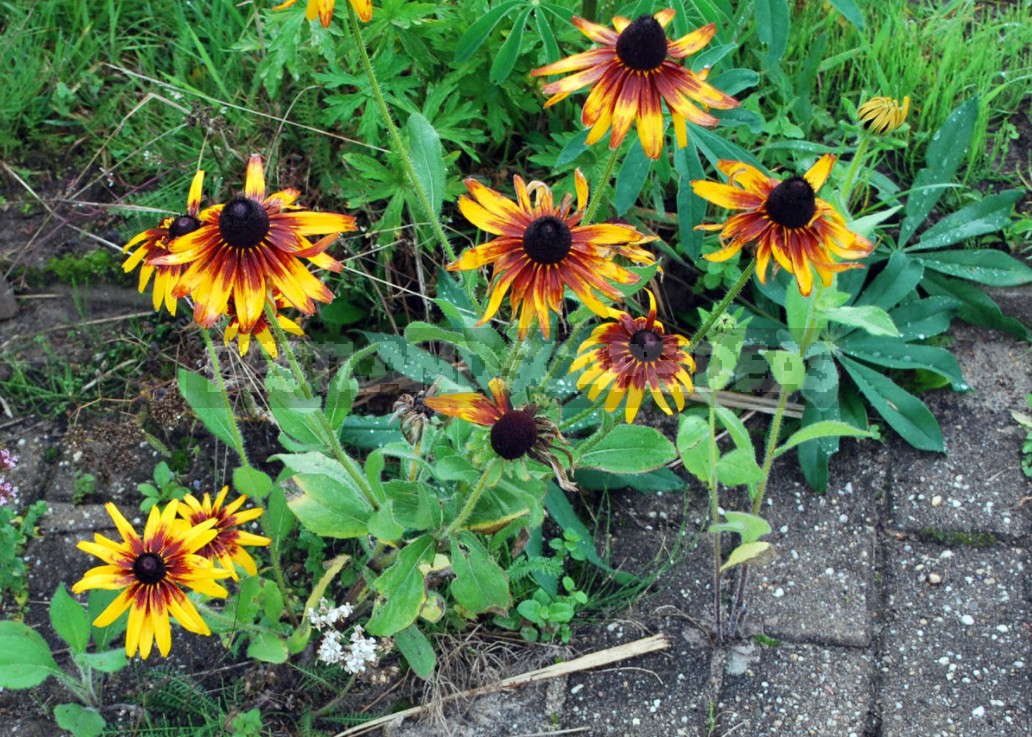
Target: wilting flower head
<point>515,433</point>
<point>227,547</point>
<point>155,242</point>
<point>635,69</point>
<point>260,330</point>
<point>324,9</point>
<point>151,573</point>
<point>785,219</point>
<point>542,248</point>
<point>250,245</point>
<point>634,354</point>
<point>883,114</point>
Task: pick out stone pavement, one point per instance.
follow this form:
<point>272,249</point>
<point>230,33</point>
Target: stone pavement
<point>898,605</point>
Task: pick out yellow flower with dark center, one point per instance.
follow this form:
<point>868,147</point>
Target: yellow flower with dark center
<point>784,219</point>
<point>227,547</point>
<point>151,573</point>
<point>261,330</point>
<point>154,242</point>
<point>324,9</point>
<point>634,354</point>
<point>883,114</point>
<point>635,69</point>
<point>542,249</point>
<point>250,245</point>
<point>515,433</point>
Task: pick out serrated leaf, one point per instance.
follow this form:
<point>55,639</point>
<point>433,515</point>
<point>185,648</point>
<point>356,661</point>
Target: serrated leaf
<point>480,584</point>
<point>401,588</point>
<point>25,659</point>
<point>331,504</point>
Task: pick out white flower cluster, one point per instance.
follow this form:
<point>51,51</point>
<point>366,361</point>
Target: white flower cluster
<point>355,656</point>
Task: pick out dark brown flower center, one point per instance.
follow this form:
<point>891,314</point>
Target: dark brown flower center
<point>182,225</point>
<point>643,44</point>
<point>547,240</point>
<point>514,434</point>
<point>149,568</point>
<point>243,223</point>
<point>792,203</point>
<point>646,346</point>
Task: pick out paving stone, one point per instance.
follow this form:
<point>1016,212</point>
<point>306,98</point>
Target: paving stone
<point>32,442</point>
<point>663,694</point>
<point>506,713</point>
<point>956,656</point>
<point>72,518</point>
<point>818,587</point>
<point>978,485</point>
<point>801,691</point>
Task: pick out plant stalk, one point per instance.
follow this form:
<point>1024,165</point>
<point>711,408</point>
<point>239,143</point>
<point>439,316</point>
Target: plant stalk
<point>722,306</point>
<point>854,166</point>
<point>600,185</point>
<point>471,502</point>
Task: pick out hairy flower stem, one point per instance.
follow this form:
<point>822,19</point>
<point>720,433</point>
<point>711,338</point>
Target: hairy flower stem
<point>722,306</point>
<point>216,367</point>
<point>329,434</point>
<point>564,353</point>
<point>600,186</point>
<point>396,142</point>
<point>715,518</point>
<point>584,413</point>
<point>471,503</point>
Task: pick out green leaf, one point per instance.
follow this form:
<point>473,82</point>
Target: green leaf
<point>480,584</point>
<point>629,449</point>
<point>850,12</point>
<point>977,307</point>
<point>479,31</point>
<point>772,25</point>
<point>788,368</point>
<point>402,589</point>
<point>946,151</point>
<point>418,331</point>
<point>383,525</point>
<point>691,209</point>
<point>208,404</point>
<point>904,412</point>
<point>755,552</point>
<point>726,348</point>
<point>979,218</point>
<point>79,720</point>
<point>331,504</point>
<point>505,57</point>
<point>896,281</point>
<point>821,429</point>
<point>416,363</point>
<point>899,355</point>
<point>25,659</point>
<point>865,225</point>
<point>105,661</point>
<point>573,148</point>
<point>874,320</point>
<point>252,482</point>
<point>564,515</point>
<point>344,388</point>
<point>660,480</point>
<point>750,527</point>
<point>427,159</point>
<point>267,647</point>
<point>738,467</point>
<point>691,432</point>
<point>552,52</point>
<point>923,318</point>
<point>296,415</point>
<point>370,431</point>
<point>985,266</point>
<point>631,177</point>
<point>69,620</point>
<point>417,651</point>
<point>278,522</point>
<point>96,602</point>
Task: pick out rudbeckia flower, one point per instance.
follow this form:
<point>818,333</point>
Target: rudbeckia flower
<point>151,572</point>
<point>261,330</point>
<point>154,242</point>
<point>542,248</point>
<point>251,244</point>
<point>637,67</point>
<point>785,219</point>
<point>324,9</point>
<point>515,433</point>
<point>634,354</point>
<point>883,114</point>
<point>227,547</point>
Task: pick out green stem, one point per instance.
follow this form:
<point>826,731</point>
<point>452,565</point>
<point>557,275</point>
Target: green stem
<point>772,444</point>
<point>854,166</point>
<point>564,353</point>
<point>399,145</point>
<point>567,424</point>
<point>467,508</point>
<point>600,185</point>
<point>281,583</point>
<point>350,466</point>
<point>216,367</point>
<point>722,306</point>
<point>715,517</point>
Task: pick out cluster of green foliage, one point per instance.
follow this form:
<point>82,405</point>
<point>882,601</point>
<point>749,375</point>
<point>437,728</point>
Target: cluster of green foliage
<point>16,530</point>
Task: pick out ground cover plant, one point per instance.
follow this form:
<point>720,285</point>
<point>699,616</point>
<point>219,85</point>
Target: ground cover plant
<point>556,225</point>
